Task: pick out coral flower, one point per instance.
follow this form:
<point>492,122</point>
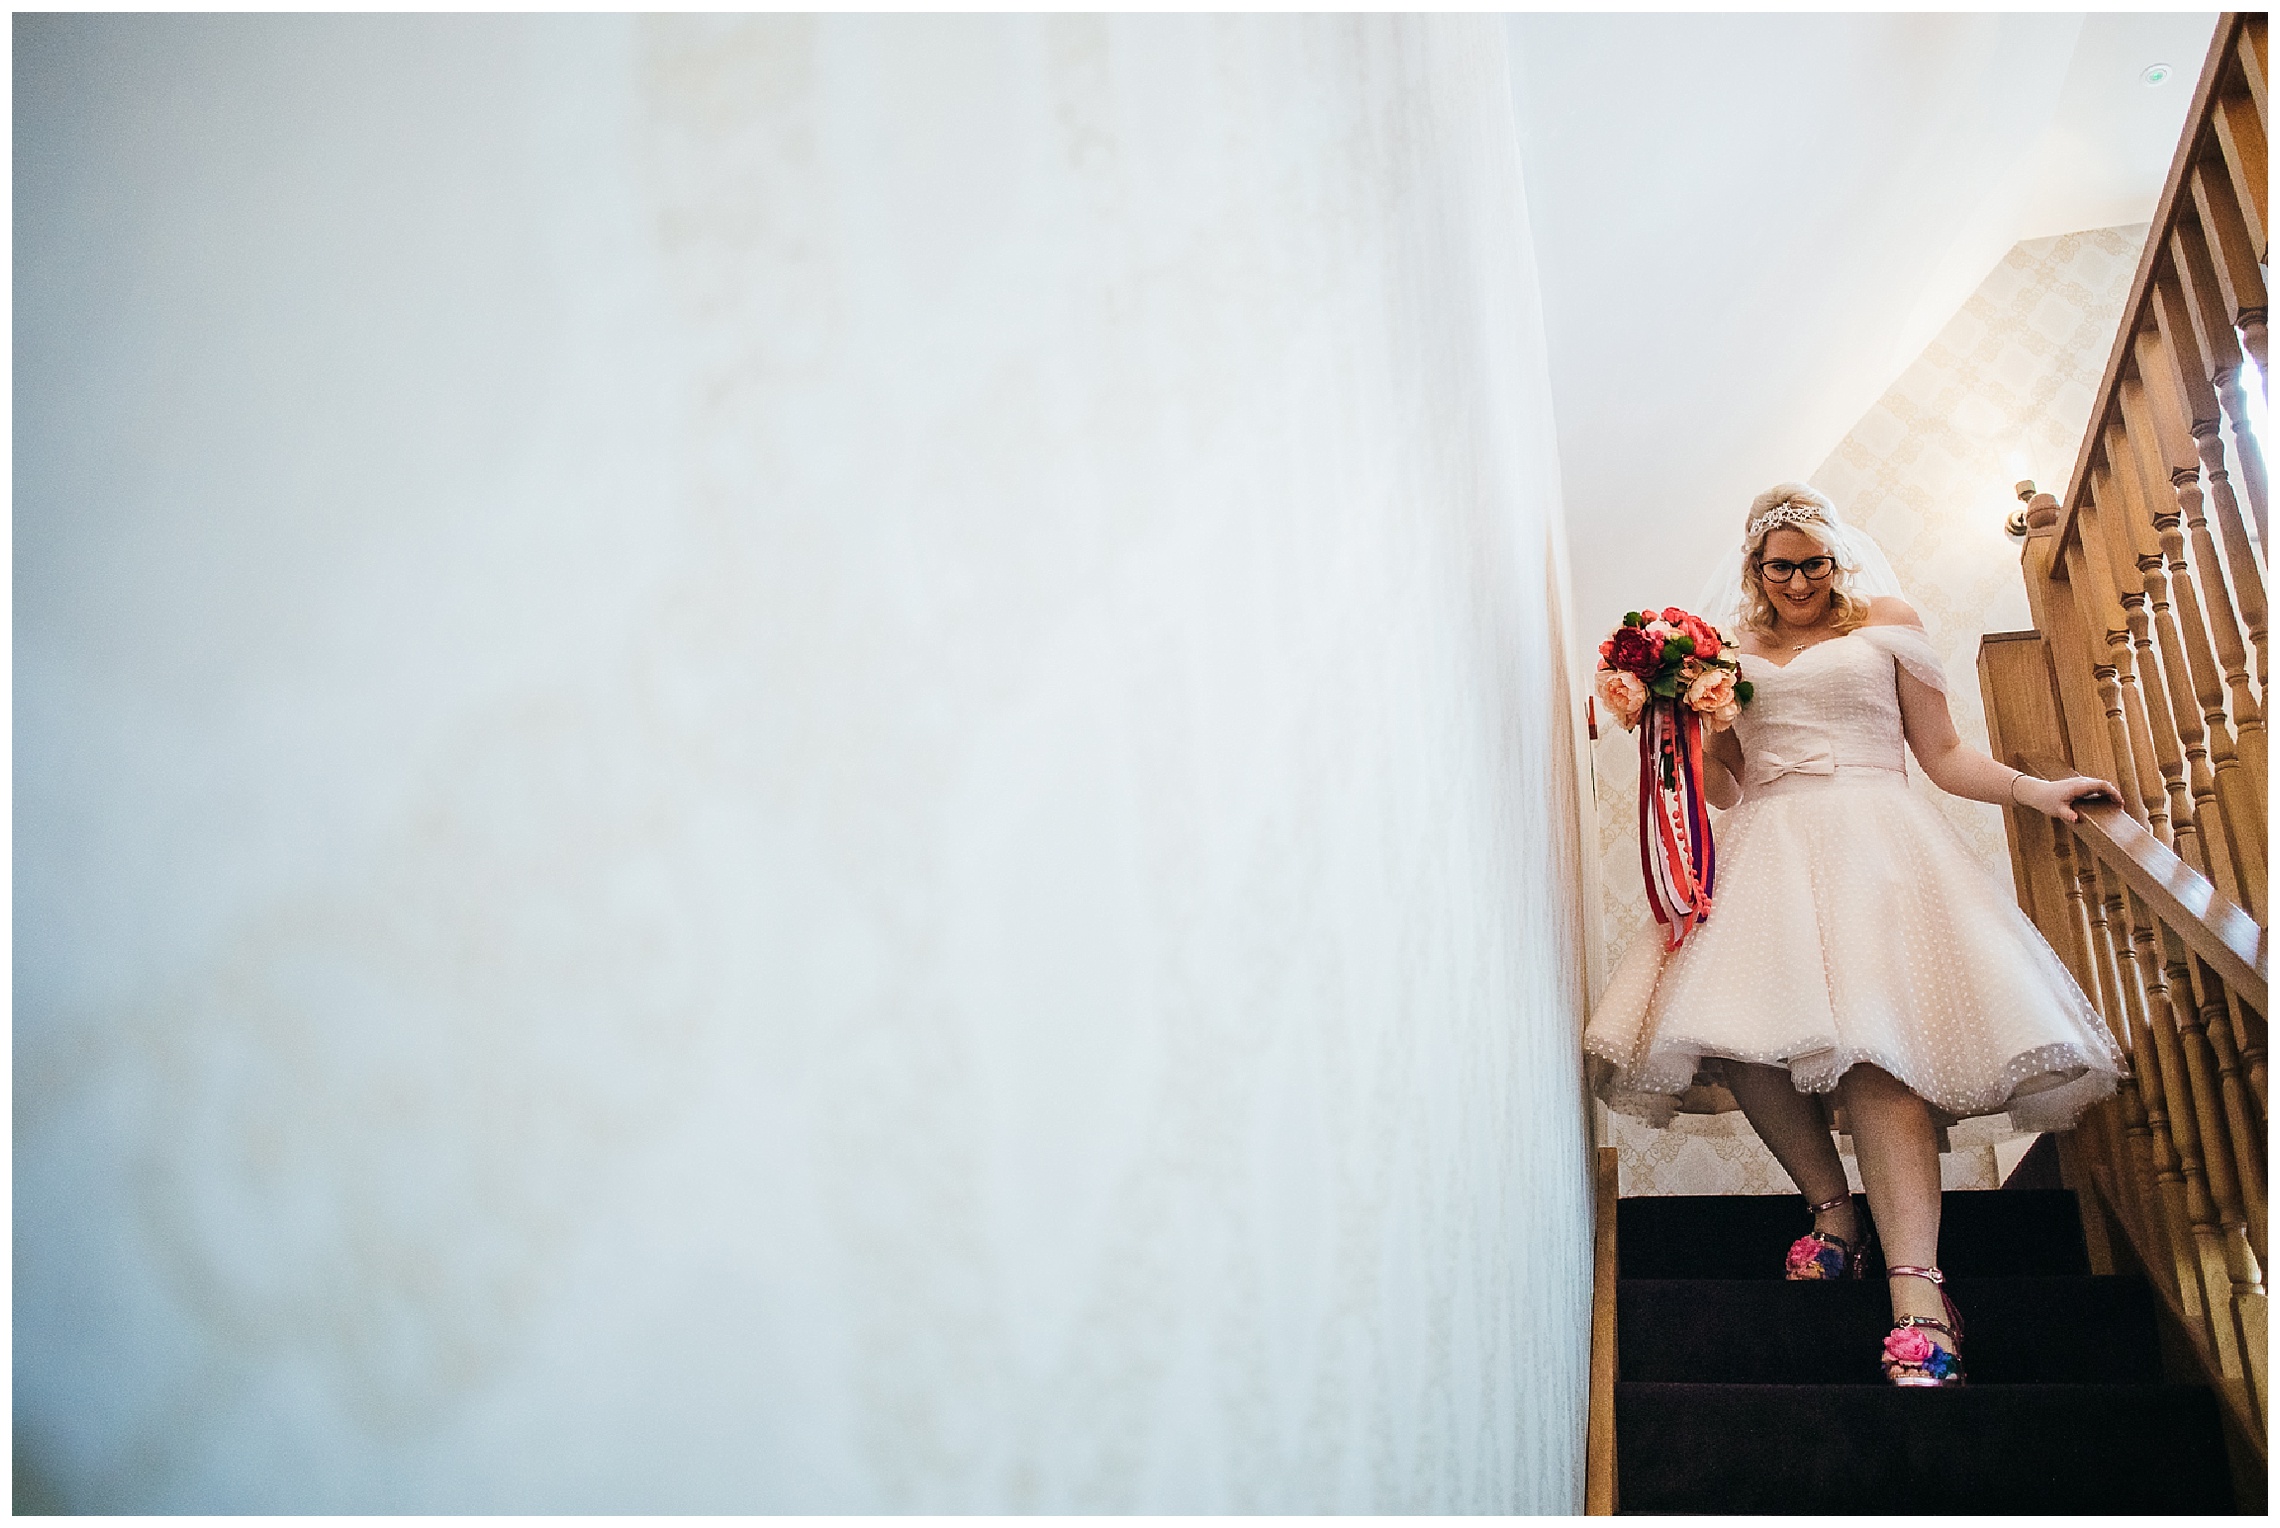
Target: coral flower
<point>1713,692</point>
<point>1707,642</point>
<point>1623,694</point>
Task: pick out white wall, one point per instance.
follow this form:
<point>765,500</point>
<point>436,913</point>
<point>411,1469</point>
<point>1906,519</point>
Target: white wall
<point>785,764</point>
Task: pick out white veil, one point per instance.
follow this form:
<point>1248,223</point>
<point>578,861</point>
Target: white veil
<point>1869,574</point>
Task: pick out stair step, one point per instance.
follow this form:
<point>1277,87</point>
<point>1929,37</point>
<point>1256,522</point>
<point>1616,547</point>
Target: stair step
<point>1983,1232</point>
<point>2080,1330</point>
<point>1875,1449</point>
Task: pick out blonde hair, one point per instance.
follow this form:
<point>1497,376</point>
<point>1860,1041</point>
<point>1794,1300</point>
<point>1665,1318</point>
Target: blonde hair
<point>1798,507</point>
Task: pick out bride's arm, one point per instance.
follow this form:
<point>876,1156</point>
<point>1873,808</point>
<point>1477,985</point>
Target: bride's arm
<point>1722,770</point>
<point>1961,770</point>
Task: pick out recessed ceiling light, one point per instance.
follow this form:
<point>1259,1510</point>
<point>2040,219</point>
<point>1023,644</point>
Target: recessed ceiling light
<point>2155,74</point>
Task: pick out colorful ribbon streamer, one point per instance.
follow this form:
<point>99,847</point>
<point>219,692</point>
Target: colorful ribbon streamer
<point>1676,857</point>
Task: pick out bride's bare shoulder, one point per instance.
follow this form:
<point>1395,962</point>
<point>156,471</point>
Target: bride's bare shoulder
<point>1890,610</point>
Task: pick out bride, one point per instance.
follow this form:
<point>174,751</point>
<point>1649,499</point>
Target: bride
<point>1855,947</point>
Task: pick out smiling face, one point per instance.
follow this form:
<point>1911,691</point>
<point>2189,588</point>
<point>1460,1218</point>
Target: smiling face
<point>1802,601</point>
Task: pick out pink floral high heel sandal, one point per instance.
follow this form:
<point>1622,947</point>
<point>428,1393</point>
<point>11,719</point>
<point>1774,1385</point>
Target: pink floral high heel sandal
<point>1912,1359</point>
<point>1818,1255</point>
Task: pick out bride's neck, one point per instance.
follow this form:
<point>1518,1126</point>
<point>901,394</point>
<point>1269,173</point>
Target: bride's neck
<point>1788,631</point>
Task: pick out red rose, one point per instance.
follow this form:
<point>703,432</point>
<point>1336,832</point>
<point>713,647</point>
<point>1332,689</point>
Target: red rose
<point>1634,652</point>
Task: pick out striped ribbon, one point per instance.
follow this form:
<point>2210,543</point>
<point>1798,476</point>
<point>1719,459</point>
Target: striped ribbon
<point>1675,853</point>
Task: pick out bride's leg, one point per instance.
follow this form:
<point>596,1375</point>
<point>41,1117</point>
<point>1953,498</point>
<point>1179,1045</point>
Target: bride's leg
<point>1899,1156</point>
<point>1797,1133</point>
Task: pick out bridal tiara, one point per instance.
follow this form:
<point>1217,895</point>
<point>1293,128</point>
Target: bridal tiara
<point>1791,513</point>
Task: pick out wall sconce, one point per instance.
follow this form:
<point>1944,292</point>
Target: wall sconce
<point>2015,523</point>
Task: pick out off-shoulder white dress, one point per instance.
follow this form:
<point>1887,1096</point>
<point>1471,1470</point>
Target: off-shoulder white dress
<point>1850,924</point>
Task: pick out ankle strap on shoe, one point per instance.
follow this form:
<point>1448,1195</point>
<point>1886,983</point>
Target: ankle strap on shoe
<point>1830,1204</point>
<point>1902,1323</point>
<point>1937,1279</point>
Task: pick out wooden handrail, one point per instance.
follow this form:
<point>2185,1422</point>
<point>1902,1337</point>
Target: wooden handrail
<point>2235,947</point>
<point>2221,44</point>
<point>1599,1499</point>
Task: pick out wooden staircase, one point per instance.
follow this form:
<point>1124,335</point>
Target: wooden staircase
<point>1738,1391</point>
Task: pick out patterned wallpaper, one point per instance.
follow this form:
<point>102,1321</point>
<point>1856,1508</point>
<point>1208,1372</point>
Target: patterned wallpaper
<point>2002,393</point>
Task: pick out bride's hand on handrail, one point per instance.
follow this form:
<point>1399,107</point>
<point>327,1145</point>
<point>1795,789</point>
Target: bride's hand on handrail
<point>2056,798</point>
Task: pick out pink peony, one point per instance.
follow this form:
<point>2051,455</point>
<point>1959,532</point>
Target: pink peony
<point>1623,694</point>
<point>1908,1346</point>
<point>1805,1255</point>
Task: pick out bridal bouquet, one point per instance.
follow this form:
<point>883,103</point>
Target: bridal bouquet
<point>1670,655</point>
<point>1670,669</point>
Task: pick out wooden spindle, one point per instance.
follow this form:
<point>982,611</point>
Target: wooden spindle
<point>2069,616</point>
<point>2094,568</point>
<point>2234,259</point>
<point>2248,53</point>
<point>2220,1160</point>
<point>2135,1137</point>
<point>2195,368</point>
<point>2128,1144</point>
<point>2240,1295</point>
<point>2248,1034</point>
<point>2220,350</point>
<point>2143,1175</point>
<point>2098,943</point>
<point>2142,477</point>
<point>2239,134</point>
<point>2169,1184</point>
<point>2244,1128</point>
<point>2073,649</point>
<point>2205,1230</point>
<point>2232,765</point>
<point>2125,775</point>
<point>2139,571</point>
<point>2074,917</point>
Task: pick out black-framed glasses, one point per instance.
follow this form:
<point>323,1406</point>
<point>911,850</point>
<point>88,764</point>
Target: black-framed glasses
<point>1781,570</point>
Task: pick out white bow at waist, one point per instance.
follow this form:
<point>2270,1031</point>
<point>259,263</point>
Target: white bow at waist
<point>1772,766</point>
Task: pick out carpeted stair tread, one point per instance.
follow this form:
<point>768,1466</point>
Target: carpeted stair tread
<point>1719,1236</point>
<point>2081,1330</point>
<point>1873,1449</point>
